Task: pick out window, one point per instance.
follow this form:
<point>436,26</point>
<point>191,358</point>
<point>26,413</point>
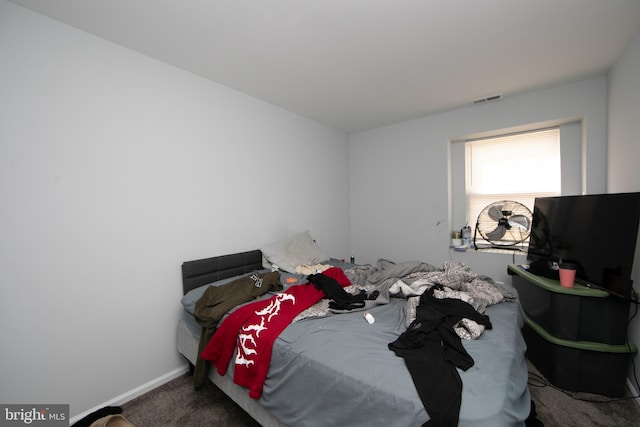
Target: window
<point>517,167</point>
<point>515,172</point>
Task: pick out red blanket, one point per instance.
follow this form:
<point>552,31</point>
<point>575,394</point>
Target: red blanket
<point>254,327</point>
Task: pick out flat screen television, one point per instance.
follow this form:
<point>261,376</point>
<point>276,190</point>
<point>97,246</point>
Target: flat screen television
<point>596,232</point>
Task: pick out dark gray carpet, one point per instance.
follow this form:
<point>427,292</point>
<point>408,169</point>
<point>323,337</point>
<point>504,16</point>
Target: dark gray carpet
<point>558,408</point>
<point>178,404</point>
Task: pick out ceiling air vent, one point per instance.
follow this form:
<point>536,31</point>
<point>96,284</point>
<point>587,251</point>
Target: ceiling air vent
<point>487,99</point>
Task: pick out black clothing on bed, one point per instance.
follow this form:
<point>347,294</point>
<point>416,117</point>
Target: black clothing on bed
<point>340,299</point>
<point>432,351</point>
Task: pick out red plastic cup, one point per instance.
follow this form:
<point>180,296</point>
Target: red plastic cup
<point>567,274</point>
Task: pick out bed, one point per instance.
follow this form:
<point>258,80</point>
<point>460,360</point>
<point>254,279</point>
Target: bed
<point>337,369</point>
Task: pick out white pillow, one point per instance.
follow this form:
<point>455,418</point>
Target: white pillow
<point>288,254</point>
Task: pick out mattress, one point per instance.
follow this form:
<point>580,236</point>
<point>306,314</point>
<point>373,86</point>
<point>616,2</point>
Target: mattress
<point>338,370</point>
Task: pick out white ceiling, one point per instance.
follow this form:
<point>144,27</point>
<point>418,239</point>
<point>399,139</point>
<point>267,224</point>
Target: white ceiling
<point>360,64</point>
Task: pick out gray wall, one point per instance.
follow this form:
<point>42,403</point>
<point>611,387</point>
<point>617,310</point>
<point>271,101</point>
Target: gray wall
<point>114,169</point>
<point>623,173</point>
<point>400,175</point>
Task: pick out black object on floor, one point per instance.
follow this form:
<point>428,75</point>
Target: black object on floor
<point>95,416</point>
<point>532,420</point>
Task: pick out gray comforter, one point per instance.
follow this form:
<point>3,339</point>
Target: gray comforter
<point>337,369</point>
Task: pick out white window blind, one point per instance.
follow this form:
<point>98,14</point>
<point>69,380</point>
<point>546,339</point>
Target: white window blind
<point>517,167</point>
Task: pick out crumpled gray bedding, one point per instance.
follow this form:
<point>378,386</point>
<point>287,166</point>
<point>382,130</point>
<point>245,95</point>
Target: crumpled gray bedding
<point>412,278</point>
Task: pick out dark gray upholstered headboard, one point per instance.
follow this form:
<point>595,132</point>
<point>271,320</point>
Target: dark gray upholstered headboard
<point>202,271</point>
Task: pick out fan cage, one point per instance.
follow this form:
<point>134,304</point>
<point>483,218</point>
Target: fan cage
<point>503,224</point>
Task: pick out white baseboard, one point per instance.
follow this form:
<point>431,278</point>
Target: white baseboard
<point>132,394</point>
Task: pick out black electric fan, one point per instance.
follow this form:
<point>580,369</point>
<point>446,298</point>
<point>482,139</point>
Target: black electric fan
<point>503,224</point>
